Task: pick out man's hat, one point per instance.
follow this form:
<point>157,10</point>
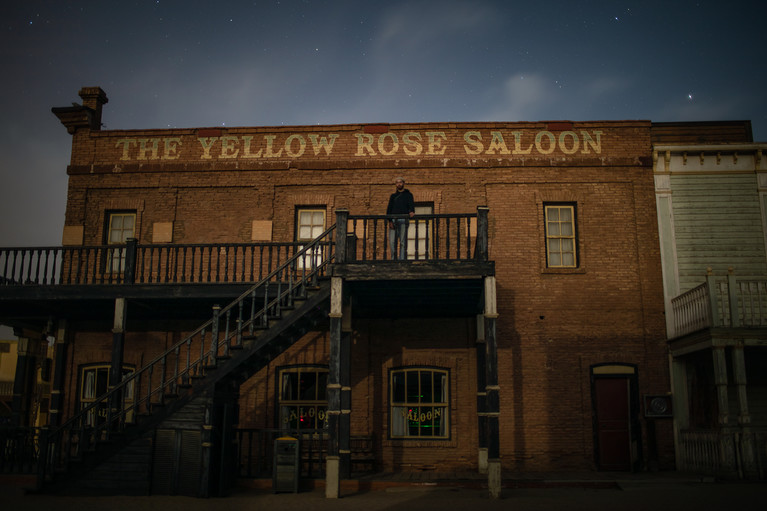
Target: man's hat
<point>399,179</point>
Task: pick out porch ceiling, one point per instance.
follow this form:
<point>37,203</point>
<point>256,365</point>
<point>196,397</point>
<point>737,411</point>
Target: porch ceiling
<point>416,298</point>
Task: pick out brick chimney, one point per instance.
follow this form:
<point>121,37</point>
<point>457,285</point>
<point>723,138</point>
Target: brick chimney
<point>94,98</point>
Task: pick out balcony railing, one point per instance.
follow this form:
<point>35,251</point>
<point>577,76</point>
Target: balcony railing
<point>444,237</point>
<point>730,302</point>
<point>133,263</point>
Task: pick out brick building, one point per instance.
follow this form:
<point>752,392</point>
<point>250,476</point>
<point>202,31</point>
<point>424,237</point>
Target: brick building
<point>220,287</point>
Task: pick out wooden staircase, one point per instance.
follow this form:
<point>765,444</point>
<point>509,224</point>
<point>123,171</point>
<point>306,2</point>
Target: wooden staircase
<point>166,428</point>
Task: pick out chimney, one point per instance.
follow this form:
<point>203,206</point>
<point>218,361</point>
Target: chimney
<point>94,98</point>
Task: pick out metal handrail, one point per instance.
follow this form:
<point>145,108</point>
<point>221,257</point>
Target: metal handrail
<point>78,434</point>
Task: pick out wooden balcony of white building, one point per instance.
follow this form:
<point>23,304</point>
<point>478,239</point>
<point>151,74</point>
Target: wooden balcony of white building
<point>718,345</point>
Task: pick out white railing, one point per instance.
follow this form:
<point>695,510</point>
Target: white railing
<point>728,302</point>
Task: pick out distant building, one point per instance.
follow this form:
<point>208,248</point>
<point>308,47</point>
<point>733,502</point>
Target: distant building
<point>218,288</point>
<point>712,213</point>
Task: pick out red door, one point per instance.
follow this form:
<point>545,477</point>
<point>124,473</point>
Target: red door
<point>613,423</point>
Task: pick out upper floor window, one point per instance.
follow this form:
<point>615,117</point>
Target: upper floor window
<point>303,398</point>
<point>418,233</point>
<point>418,403</point>
<point>561,240</point>
<point>310,223</point>
<point>120,227</point>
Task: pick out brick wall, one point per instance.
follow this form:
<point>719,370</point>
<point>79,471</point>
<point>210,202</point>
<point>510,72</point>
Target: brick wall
<point>553,325</point>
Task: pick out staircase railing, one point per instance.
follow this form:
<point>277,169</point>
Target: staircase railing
<point>176,369</point>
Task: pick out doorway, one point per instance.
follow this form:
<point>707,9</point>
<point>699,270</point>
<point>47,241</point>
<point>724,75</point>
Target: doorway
<point>616,439</point>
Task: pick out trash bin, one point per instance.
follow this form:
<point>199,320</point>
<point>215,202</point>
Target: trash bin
<point>285,465</point>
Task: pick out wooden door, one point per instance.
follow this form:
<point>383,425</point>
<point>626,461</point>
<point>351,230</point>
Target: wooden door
<point>613,423</point>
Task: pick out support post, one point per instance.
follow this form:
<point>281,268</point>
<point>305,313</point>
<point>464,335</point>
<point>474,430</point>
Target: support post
<point>332,463</point>
<point>344,426</point>
<point>118,345</point>
<point>21,383</point>
<point>680,404</point>
<point>481,396</point>
<point>732,295</point>
<point>716,318</point>
<point>481,250</point>
<point>492,390</point>
<point>727,447</point>
<point>342,218</point>
<point>131,252</point>
<point>749,463</point>
<point>59,373</point>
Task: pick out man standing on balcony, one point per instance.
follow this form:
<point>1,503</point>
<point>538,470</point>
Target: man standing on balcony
<point>400,203</point>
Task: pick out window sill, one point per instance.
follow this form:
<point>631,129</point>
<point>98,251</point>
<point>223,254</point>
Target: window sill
<point>414,442</point>
<point>563,271</point>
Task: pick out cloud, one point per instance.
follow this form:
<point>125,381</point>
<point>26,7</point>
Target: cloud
<point>538,96</point>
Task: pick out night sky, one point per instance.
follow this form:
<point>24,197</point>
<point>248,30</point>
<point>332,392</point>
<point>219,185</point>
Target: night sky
<point>235,63</point>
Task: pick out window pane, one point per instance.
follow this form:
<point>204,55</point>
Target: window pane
<point>307,390</point>
<point>552,214</point>
<point>398,387</point>
<point>412,387</point>
<point>554,229</point>
<point>89,384</point>
<point>289,386</point>
<point>565,214</point>
<point>305,232</point>
<point>567,229</point>
<point>322,386</point>
<point>426,392</point>
<point>568,260</point>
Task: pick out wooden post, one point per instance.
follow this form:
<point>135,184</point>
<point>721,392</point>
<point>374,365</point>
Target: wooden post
<point>720,381</point>
<point>492,389</point>
<point>130,261</point>
<point>481,396</point>
<point>59,374</point>
<point>342,218</point>
<point>344,426</point>
<point>749,463</point>
<point>21,393</point>
<point>332,462</point>
<point>118,344</point>
<point>732,294</point>
<point>716,319</point>
<point>481,251</point>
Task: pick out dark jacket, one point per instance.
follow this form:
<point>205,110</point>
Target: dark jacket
<point>401,203</point>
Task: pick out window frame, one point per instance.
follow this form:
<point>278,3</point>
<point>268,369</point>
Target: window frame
<point>315,256</point>
<point>396,407</point>
<point>114,262</point>
<point>414,229</point>
<point>83,401</point>
<point>318,405</point>
<point>573,207</point>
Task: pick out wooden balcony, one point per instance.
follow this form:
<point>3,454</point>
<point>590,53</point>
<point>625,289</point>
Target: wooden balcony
<point>448,257</point>
<point>722,308</point>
